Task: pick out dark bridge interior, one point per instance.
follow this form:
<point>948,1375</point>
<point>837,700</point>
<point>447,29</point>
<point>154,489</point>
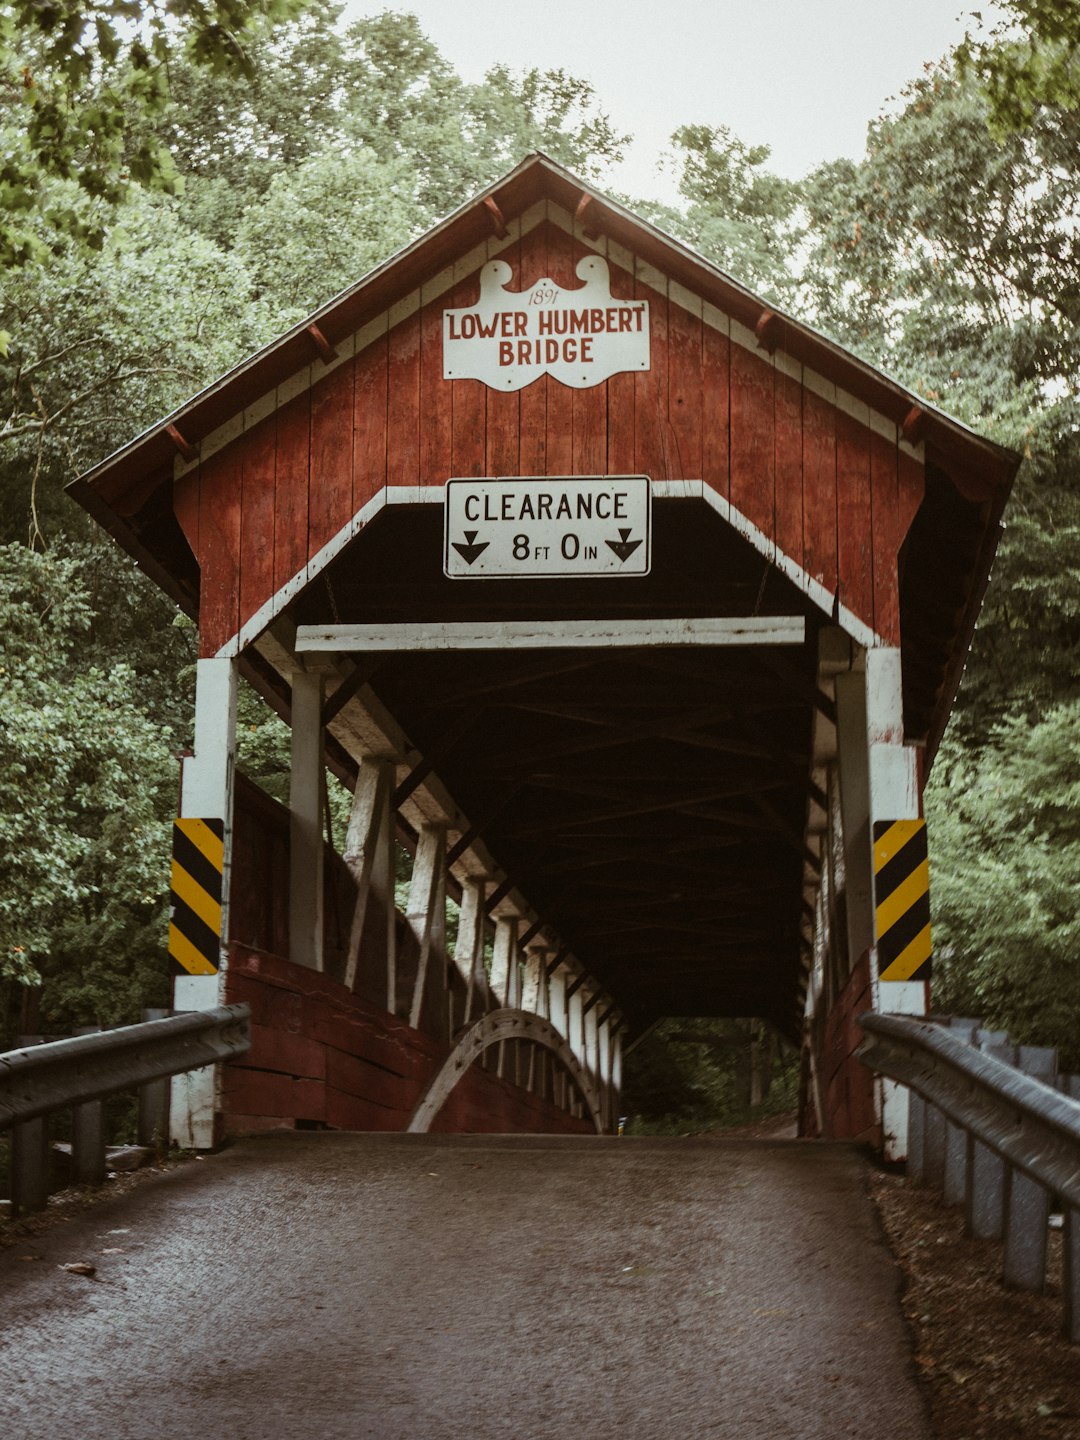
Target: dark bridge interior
<point>650,803</point>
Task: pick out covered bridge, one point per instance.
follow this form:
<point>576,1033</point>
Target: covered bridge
<point>633,607</point>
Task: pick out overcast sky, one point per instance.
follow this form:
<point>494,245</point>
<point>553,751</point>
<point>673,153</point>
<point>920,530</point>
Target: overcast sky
<point>802,76</point>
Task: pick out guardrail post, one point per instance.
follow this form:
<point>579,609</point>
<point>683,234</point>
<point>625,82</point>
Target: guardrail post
<point>153,1124</point>
<point>1027,1203</point>
<point>954,1179</point>
<point>916,1146</point>
<point>29,1155</point>
<point>984,1197</point>
<point>88,1135</point>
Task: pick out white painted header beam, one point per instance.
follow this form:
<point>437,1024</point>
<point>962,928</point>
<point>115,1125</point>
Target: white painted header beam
<point>554,635</point>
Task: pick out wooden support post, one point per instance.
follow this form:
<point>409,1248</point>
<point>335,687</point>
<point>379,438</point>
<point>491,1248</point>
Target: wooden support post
<point>206,792</point>
<point>557,999</point>
<point>616,1077</point>
<point>536,995</point>
<point>306,782</point>
<point>369,854</point>
<point>469,949</point>
<point>426,914</point>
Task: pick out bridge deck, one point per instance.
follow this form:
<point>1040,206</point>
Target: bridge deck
<point>335,1285</point>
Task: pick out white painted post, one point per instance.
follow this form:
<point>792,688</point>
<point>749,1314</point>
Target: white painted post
<point>575,1035</point>
<point>535,996</point>
<point>469,949</point>
<point>504,973</point>
<point>369,854</point>
<point>206,792</point>
<point>854,762</point>
<point>426,912</point>
<point>557,999</point>
<point>306,786</point>
<point>616,1076</point>
<point>894,795</point>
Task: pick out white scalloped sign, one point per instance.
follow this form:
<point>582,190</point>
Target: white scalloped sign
<point>580,337</point>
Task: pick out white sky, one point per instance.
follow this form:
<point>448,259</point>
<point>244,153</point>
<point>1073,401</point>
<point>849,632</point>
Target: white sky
<point>802,76</point>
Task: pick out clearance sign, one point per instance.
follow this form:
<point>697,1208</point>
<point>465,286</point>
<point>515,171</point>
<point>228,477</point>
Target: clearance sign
<point>580,337</point>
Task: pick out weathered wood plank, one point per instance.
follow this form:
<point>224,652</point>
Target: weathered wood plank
<point>886,538</point>
<point>789,465</point>
<point>403,401</point>
<point>257,517</point>
<point>291,488</point>
<point>369,426</point>
<point>854,517</point>
<point>819,489</point>
<point>539,635</point>
<point>330,486</point>
<point>219,530</point>
<point>685,382</point>
<point>752,439</point>
<point>560,398</point>
<point>651,427</point>
<point>715,410</point>
<point>436,401</point>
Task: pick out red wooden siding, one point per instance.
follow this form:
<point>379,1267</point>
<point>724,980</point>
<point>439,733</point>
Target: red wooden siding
<point>323,1056</point>
<point>847,1083</point>
<point>836,496</point>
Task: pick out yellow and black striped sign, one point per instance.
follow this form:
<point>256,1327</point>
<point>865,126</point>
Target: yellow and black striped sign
<point>902,899</point>
<point>195,917</point>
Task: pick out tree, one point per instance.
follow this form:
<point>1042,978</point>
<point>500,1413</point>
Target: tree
<point>71,74</point>
<point>87,786</point>
<point>1029,60</point>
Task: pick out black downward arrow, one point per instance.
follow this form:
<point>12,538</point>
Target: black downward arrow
<point>625,547</point>
<point>469,551</point>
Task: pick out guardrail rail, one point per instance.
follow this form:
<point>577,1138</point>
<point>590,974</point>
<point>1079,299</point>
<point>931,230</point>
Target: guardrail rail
<point>994,1138</point>
<point>80,1072</point>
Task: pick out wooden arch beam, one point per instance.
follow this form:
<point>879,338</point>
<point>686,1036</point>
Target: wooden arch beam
<point>494,1029</point>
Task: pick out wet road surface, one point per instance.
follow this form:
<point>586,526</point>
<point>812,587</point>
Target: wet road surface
<point>422,1287</point>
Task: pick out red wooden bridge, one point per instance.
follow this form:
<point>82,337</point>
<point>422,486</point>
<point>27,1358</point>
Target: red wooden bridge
<point>650,691</point>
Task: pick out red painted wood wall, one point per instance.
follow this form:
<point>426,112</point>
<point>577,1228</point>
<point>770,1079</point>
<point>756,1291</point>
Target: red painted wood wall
<point>323,1056</point>
<point>836,496</point>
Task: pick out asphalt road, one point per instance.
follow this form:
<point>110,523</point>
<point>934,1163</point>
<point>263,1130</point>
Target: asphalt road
<point>429,1288</point>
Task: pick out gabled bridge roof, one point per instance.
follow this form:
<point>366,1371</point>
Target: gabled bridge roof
<point>652,805</point>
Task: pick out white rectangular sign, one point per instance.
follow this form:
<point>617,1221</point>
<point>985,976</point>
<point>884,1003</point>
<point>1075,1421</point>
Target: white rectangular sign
<point>534,527</point>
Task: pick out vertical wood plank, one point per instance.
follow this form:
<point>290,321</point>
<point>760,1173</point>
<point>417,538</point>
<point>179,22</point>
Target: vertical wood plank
<point>330,487</point>
<point>186,507</point>
<point>715,410</point>
<point>651,433</point>
<point>436,406</point>
<point>819,490</point>
<point>291,488</point>
<point>219,529</point>
<point>533,399</point>
<point>685,380</point>
<point>369,423</point>
<point>854,516</point>
<point>468,400</point>
<point>504,410</point>
<point>403,402</point>
<point>752,441</point>
<point>259,447</point>
<point>560,398</point>
<point>886,538</point>
<point>911,486</point>
<point>789,465</point>
<point>621,459</point>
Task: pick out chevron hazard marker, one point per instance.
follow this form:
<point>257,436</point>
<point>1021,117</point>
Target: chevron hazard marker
<point>902,899</point>
<point>195,914</point>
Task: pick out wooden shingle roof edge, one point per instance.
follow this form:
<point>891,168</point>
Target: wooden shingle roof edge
<point>980,467</point>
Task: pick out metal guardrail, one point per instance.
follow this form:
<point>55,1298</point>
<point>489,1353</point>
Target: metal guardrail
<point>83,1070</point>
<point>1019,1143</point>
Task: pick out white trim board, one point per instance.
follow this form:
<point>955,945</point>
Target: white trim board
<point>553,635</point>
<point>817,593</point>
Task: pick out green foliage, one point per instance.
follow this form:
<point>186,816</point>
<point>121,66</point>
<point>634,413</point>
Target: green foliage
<point>71,72</point>
<point>1005,837</point>
<point>1028,60</point>
<point>87,785</point>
